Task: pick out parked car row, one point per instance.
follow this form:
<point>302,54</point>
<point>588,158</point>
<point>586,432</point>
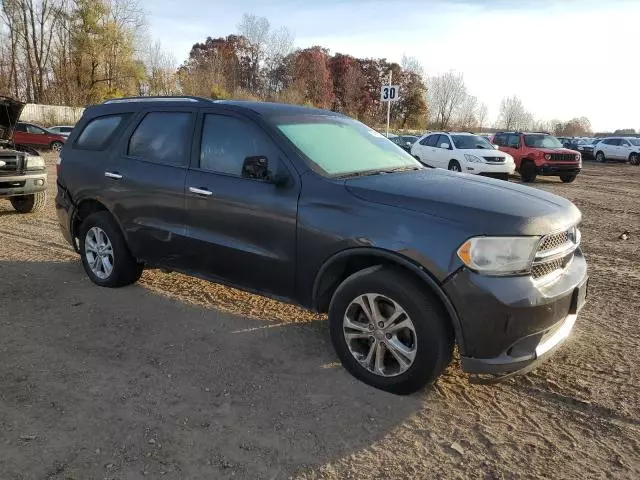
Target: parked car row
<point>602,149</point>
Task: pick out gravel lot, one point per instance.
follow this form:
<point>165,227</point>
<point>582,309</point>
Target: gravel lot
<point>180,378</point>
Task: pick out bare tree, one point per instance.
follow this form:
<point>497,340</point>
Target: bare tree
<point>446,93</point>
<point>468,113</point>
<point>160,71</point>
<point>483,113</point>
<point>413,65</point>
<point>278,46</point>
<point>513,115</point>
<point>256,30</point>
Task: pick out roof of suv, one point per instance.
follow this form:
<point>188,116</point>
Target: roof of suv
<point>261,108</point>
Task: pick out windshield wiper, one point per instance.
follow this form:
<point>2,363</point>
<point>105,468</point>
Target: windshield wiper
<point>365,173</point>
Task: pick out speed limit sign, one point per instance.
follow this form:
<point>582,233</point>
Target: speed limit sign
<point>389,93</point>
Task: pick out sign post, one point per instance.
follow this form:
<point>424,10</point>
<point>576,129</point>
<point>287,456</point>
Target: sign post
<point>389,93</point>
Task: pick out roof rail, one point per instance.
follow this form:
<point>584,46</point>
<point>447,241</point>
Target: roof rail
<point>180,98</point>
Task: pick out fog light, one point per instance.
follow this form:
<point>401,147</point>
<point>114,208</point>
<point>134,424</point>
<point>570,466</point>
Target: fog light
<point>39,182</point>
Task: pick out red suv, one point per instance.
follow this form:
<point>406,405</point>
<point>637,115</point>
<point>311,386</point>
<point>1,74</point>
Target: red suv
<point>37,137</point>
<point>539,154</point>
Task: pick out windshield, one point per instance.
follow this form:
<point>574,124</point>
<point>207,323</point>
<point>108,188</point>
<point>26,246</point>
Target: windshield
<point>471,142</point>
<point>542,141</point>
<point>339,146</point>
<point>635,141</point>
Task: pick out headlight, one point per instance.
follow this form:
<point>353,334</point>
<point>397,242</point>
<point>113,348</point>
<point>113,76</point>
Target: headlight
<point>473,158</point>
<point>35,163</point>
<point>499,255</point>
<point>547,156</point>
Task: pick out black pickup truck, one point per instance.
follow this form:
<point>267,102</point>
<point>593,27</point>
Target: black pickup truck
<point>23,173</point>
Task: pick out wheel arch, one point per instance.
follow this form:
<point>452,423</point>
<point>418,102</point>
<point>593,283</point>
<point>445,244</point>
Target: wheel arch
<point>82,210</point>
<point>347,262</point>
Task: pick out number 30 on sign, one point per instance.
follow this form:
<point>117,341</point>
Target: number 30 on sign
<point>389,93</point>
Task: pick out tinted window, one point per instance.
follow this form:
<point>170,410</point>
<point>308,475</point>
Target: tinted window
<point>443,139</point>
<point>66,129</point>
<point>624,143</point>
<point>425,140</point>
<point>500,139</point>
<point>470,142</point>
<point>162,137</point>
<point>227,142</point>
<point>513,141</point>
<point>35,130</point>
<point>97,133</point>
<point>542,141</point>
<point>612,141</point>
<point>21,127</point>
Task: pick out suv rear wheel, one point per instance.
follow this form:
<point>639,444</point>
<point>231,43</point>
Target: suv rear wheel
<point>105,255</point>
<point>29,203</point>
<point>528,172</point>
<point>388,332</point>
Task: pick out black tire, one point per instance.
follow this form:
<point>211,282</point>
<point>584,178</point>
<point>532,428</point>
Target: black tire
<point>56,146</point>
<point>454,166</point>
<point>634,159</point>
<point>528,172</point>
<point>29,203</point>
<point>600,158</point>
<point>126,269</point>
<point>568,178</point>
<point>434,337</point>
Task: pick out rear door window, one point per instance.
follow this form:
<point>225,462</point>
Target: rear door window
<point>162,137</point>
<point>99,131</point>
<point>442,139</point>
<point>513,141</point>
<point>432,141</point>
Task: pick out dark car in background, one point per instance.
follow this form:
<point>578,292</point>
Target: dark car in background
<point>314,208</point>
<point>405,141</point>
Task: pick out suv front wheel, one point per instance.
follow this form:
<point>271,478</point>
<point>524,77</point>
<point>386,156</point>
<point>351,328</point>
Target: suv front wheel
<point>388,332</point>
<point>105,255</point>
<point>528,172</point>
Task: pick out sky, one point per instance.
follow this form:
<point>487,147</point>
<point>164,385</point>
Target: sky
<point>563,58</point>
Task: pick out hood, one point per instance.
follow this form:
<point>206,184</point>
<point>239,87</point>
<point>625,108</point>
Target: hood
<point>10,111</point>
<point>484,152</point>
<point>489,206</point>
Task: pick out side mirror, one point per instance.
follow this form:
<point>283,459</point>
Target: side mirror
<point>444,145</point>
<point>257,168</point>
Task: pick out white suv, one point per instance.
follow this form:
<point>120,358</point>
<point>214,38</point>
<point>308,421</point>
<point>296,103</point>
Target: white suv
<point>463,152</point>
<point>618,148</point>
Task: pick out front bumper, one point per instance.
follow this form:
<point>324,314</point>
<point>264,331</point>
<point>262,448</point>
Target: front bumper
<point>559,169</point>
<point>511,324</point>
<point>15,185</point>
<point>490,169</point>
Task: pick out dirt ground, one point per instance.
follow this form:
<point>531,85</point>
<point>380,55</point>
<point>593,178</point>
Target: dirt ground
<point>184,379</point>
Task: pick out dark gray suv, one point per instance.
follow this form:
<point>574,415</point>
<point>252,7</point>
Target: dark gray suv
<point>312,207</point>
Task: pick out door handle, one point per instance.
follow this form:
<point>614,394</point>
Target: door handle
<point>201,191</point>
<point>115,176</point>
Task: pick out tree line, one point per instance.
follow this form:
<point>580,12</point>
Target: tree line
<point>80,52</point>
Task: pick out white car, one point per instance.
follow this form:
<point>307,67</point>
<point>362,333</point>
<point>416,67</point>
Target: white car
<point>463,152</point>
<point>64,130</point>
<point>618,148</point>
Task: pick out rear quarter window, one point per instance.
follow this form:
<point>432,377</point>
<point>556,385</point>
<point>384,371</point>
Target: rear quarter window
<point>98,133</point>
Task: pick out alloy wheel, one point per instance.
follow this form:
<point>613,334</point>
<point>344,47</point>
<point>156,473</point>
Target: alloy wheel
<point>98,252</point>
<point>380,335</point>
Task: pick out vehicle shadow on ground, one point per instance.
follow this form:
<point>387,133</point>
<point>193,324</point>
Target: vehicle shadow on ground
<point>98,382</point>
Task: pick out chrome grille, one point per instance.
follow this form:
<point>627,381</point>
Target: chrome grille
<point>563,157</point>
<point>551,242</point>
<point>494,159</point>
<point>12,165</point>
<point>555,253</point>
<point>540,270</point>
